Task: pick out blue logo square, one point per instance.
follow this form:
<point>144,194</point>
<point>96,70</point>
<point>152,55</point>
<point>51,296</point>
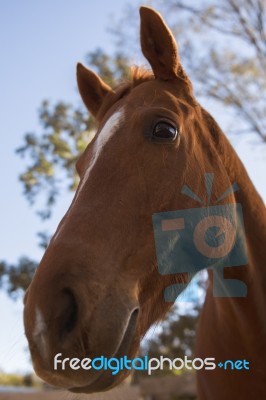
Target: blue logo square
<point>191,240</point>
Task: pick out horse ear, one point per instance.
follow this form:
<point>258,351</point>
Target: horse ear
<point>91,88</point>
<point>158,45</point>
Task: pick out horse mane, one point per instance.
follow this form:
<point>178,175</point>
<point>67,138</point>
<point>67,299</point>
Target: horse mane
<point>138,75</point>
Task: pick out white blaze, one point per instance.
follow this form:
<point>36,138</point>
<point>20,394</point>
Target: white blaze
<point>39,334</point>
<point>104,135</point>
<point>108,130</point>
<point>40,325</point>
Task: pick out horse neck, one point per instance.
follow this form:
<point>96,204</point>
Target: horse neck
<point>254,216</point>
<point>235,327</point>
<point>254,211</point>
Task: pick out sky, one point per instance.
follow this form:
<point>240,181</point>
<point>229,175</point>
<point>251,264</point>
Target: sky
<point>41,42</point>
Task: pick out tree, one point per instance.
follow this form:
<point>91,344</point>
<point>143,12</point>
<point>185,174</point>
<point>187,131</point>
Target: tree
<point>234,74</point>
<point>223,48</point>
<point>67,130</point>
<point>176,336</point>
<point>51,157</point>
<point>16,278</point>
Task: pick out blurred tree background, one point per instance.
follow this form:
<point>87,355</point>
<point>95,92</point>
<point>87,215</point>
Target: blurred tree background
<point>222,47</point>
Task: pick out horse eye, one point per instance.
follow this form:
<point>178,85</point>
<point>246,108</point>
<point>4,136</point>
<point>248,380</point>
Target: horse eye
<point>164,131</point>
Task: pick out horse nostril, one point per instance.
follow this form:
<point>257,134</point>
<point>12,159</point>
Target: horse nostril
<point>68,314</point>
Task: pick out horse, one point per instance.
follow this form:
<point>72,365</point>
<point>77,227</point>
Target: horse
<point>98,289</point>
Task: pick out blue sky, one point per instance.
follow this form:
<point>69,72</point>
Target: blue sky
<point>40,43</point>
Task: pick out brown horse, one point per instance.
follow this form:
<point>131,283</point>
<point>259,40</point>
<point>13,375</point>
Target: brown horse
<point>97,289</point>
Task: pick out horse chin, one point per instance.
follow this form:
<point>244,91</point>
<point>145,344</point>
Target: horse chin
<point>106,380</point>
<point>103,383</point>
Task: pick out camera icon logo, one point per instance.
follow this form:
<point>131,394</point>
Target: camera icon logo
<point>191,240</point>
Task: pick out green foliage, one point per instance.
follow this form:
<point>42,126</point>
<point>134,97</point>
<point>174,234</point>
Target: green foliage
<point>16,278</point>
<point>11,380</point>
<point>111,69</point>
<point>52,155</point>
<point>19,380</point>
<point>67,130</point>
<point>176,337</point>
